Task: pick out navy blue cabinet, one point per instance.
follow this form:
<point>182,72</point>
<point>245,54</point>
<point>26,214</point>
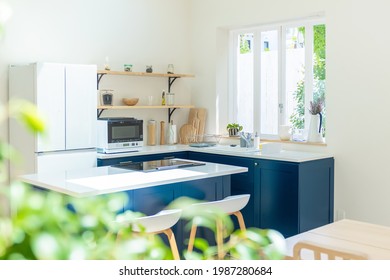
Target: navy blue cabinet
<point>295,197</point>
<point>277,206</point>
<point>286,196</point>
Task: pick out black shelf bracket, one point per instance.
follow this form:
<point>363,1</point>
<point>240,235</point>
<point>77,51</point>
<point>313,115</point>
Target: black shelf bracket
<point>170,112</point>
<point>99,77</point>
<point>99,112</point>
<point>170,82</point>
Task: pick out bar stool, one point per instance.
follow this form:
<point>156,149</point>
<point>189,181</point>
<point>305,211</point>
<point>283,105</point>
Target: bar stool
<point>231,205</point>
<point>162,222</point>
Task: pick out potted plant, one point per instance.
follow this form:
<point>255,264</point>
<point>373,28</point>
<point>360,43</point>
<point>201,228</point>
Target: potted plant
<point>234,129</point>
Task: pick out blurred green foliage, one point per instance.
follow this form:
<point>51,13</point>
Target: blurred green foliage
<point>251,244</point>
<point>47,225</point>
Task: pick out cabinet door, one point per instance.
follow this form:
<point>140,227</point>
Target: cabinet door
<point>81,105</point>
<point>315,193</point>
<point>50,100</point>
<point>152,200</point>
<point>278,183</point>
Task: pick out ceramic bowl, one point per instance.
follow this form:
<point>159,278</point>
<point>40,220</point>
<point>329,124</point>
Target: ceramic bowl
<point>130,101</point>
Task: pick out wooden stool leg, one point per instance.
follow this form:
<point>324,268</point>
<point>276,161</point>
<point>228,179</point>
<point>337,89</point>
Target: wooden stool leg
<point>118,237</point>
<point>240,219</point>
<point>172,243</point>
<point>192,237</point>
<point>221,253</point>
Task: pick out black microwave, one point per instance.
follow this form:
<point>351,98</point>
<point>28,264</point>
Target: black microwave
<point>117,134</point>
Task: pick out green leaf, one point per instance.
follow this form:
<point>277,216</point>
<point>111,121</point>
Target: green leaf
<point>27,114</point>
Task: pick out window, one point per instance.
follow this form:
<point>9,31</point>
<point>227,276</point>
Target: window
<point>277,71</point>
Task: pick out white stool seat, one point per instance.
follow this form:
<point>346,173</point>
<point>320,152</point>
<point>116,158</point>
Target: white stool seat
<point>229,204</point>
<point>163,220</point>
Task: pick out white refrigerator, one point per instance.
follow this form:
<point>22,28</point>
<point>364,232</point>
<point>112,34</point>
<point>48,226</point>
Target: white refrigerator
<point>65,95</point>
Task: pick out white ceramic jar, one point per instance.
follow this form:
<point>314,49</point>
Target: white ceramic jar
<point>285,132</point>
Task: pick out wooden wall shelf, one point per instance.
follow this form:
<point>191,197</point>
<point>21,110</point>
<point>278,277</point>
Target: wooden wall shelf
<point>144,74</point>
<point>171,79</point>
<point>144,107</point>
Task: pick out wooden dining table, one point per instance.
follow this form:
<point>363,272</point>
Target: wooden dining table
<point>371,240</point>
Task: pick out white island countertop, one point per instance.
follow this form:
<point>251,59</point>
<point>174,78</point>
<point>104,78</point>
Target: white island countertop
<point>108,179</point>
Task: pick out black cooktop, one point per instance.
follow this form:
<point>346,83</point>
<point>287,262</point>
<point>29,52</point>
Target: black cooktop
<point>156,165</point>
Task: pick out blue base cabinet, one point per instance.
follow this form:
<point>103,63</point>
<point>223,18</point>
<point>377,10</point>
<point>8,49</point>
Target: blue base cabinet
<point>277,203</point>
<point>295,197</point>
<point>286,196</point>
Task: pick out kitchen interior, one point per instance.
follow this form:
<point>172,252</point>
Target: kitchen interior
<point>151,36</point>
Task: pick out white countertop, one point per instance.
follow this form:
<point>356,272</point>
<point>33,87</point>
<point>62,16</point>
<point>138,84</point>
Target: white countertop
<point>291,156</point>
<point>107,179</point>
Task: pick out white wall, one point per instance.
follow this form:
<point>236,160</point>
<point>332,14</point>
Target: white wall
<point>139,32</point>
<point>358,97</point>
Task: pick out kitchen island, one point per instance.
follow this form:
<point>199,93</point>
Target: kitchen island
<point>110,179</point>
<point>147,192</point>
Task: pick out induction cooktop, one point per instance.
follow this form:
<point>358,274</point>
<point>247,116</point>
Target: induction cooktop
<point>156,165</point>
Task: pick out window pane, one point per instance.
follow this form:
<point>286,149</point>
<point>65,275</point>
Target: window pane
<point>295,75</point>
<point>269,70</point>
<point>319,65</point>
<point>244,98</point>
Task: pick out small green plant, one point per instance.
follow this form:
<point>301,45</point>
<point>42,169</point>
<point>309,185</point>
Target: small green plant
<point>234,129</point>
<point>234,126</point>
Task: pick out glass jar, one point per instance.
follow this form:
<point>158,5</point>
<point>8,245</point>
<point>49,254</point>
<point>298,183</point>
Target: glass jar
<point>106,97</point>
<point>170,99</point>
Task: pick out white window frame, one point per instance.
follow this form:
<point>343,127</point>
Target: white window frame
<point>308,77</point>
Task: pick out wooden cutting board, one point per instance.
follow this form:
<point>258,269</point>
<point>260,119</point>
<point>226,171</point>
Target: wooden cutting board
<point>197,117</point>
<point>186,133</point>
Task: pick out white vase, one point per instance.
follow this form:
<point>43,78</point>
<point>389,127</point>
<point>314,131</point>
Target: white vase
<point>314,135</point>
